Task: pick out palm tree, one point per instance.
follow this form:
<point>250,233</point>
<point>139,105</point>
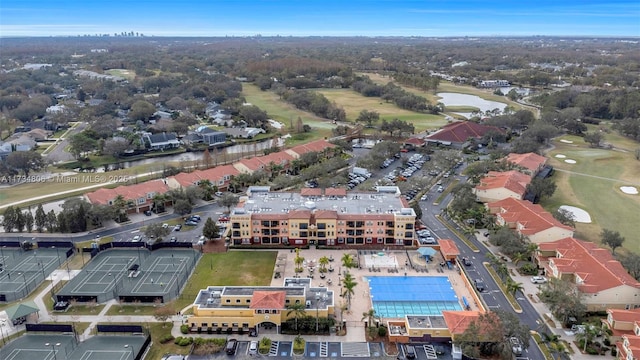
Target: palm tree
<point>298,260</point>
<point>517,257</point>
<point>347,261</point>
<point>370,316</point>
<point>555,346</point>
<point>348,282</point>
<point>298,311</point>
<point>323,262</point>
<point>532,248</point>
<point>119,207</point>
<point>513,287</point>
<point>502,270</point>
<point>158,203</point>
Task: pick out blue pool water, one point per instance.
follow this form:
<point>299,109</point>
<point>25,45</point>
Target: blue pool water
<point>396,296</point>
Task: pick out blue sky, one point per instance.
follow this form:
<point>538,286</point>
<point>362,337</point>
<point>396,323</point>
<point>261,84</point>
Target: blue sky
<point>322,18</point>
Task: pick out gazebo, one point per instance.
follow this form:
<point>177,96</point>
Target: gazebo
<point>427,252</point>
<point>21,310</point>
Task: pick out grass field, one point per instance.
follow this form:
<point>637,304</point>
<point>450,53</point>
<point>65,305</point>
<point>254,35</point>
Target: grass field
<point>127,74</point>
<point>286,113</point>
<point>593,184</point>
<point>353,103</point>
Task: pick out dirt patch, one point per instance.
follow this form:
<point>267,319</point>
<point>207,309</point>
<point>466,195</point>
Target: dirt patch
<point>213,246</point>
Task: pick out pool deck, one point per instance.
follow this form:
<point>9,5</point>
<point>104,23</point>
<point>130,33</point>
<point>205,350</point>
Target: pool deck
<point>361,301</point>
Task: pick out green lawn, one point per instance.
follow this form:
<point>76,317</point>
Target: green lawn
<point>125,73</point>
<point>353,103</point>
<point>286,113</point>
<point>599,194</point>
<point>233,268</point>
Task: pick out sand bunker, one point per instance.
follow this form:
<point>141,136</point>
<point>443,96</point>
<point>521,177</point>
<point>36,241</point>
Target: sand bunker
<point>631,190</point>
<point>566,141</point>
<point>579,215</point>
<point>570,161</point>
<point>560,156</point>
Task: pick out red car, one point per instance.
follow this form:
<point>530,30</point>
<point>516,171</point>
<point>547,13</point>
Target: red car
<point>420,225</point>
<point>223,218</point>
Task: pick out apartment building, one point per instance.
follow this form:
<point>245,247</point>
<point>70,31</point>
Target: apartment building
<point>325,217</point>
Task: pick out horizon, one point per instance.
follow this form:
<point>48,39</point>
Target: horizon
<point>328,18</point>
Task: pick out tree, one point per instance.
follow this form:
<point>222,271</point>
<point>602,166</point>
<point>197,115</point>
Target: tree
<point>141,110</point>
<point>323,262</point>
<point>348,284</point>
<point>115,146</point>
<point>25,161</point>
<point>119,209</point>
<point>298,311</point>
<point>81,143</point>
<point>565,216</point>
<point>207,188</point>
<point>563,299</point>
<point>228,200</point>
<point>28,220</point>
<point>157,231</point>
<point>368,117</point>
<point>182,207</point>
<point>612,239</point>
<point>631,262</point>
<point>210,229</point>
<point>20,220</point>
<point>40,218</point>
<point>541,188</point>
<point>594,138</point>
<point>52,221</point>
<point>370,316</point>
<point>347,261</point>
<point>162,313</point>
<point>10,219</point>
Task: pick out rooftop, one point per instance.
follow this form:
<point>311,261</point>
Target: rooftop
<point>372,203</point>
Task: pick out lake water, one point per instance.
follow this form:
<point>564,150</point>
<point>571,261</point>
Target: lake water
<point>456,99</point>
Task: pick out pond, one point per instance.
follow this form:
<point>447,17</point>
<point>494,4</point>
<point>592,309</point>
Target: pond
<point>456,99</point>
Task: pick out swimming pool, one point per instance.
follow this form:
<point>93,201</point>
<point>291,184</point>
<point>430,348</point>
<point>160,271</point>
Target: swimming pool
<point>397,296</point>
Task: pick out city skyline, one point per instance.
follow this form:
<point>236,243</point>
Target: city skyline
<point>321,18</point>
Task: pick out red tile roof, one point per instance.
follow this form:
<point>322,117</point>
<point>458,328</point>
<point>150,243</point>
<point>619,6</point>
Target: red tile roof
<point>252,164</point>
<point>415,141</point>
<point>460,131</point>
<point>128,192</point>
<point>311,192</point>
<point>268,300</point>
<point>511,180</point>
<point>214,175</point>
<point>278,158</point>
<point>634,346</point>
<point>325,214</point>
<point>458,321</point>
<point>530,218</point>
<point>448,247</point>
<point>630,316</point>
<point>595,266</point>
<point>314,146</point>
<point>530,161</point>
<point>335,192</point>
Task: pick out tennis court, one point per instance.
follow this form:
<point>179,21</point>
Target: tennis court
<point>50,347</point>
<point>132,275</point>
<point>23,271</point>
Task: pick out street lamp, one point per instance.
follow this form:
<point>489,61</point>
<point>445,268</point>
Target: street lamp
<point>53,348</point>
<point>317,312</point>
<point>133,355</point>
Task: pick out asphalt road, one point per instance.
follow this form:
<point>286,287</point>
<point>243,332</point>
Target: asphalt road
<point>492,296</point>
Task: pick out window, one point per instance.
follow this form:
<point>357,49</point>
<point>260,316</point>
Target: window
<point>228,301</point>
<point>321,226</point>
<point>304,226</point>
<point>141,200</point>
<point>237,301</point>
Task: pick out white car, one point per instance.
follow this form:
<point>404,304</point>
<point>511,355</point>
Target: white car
<point>538,280</point>
<point>253,348</point>
<point>137,238</point>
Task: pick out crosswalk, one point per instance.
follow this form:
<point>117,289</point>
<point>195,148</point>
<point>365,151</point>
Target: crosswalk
<point>430,351</point>
<point>324,349</point>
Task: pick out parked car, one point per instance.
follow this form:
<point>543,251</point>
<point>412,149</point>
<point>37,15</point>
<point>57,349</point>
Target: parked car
<point>231,347</point>
<point>137,238</point>
<point>410,352</point>
<point>148,213</point>
<point>538,280</point>
<point>191,223</point>
<point>223,218</point>
<point>165,225</point>
<point>177,227</point>
<point>218,193</point>
<point>253,348</point>
<point>516,346</point>
<point>466,261</point>
<point>173,239</point>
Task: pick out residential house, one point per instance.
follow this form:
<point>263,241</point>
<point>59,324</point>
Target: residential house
<point>629,346</point>
<point>621,322</point>
<point>139,197</point>
<point>497,186</point>
<point>249,165</point>
<point>333,219</point>
<point>603,281</point>
<point>211,137</point>
<point>529,220</point>
<point>160,141</point>
<point>319,146</point>
<point>22,142</point>
<point>267,163</point>
<point>493,83</point>
<point>413,143</point>
<point>241,308</point>
<point>459,132</point>
<point>243,133</point>
<point>530,163</point>
<point>219,176</point>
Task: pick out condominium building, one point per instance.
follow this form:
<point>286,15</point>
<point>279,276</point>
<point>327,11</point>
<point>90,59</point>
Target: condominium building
<point>326,217</point>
